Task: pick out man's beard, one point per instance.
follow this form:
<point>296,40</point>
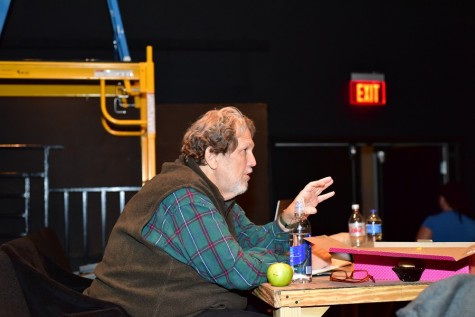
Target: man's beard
<point>241,188</point>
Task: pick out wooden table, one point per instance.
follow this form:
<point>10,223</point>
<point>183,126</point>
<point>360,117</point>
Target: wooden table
<point>314,299</point>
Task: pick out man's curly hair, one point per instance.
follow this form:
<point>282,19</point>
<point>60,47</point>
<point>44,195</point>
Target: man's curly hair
<point>216,129</point>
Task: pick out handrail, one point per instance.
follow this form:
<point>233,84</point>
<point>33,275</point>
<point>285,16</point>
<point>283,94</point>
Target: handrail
<point>84,193</point>
<point>106,127</point>
<point>44,173</point>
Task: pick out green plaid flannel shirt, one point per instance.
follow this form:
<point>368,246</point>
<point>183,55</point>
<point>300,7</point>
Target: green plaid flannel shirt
<point>189,228</point>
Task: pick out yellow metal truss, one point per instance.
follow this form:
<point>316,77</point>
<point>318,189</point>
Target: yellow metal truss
<point>122,81</point>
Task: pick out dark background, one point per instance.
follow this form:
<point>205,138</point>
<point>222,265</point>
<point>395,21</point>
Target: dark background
<point>296,57</point>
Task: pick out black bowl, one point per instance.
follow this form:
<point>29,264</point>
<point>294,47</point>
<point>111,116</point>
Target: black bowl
<point>408,274</point>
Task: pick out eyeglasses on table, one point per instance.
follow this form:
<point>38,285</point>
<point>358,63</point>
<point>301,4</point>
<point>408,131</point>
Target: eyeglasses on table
<point>355,276</point>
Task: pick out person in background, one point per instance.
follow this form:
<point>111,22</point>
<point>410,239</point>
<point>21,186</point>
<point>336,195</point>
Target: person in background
<point>452,296</point>
<point>183,246</point>
<point>452,223</point>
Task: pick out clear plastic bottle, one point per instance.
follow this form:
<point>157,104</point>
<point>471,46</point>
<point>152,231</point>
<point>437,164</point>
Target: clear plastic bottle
<point>300,250</point>
<point>357,227</point>
<point>374,226</point>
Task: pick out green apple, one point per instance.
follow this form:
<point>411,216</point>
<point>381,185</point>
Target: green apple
<point>280,274</point>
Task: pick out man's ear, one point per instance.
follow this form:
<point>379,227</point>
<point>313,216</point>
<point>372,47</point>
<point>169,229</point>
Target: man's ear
<point>211,158</point>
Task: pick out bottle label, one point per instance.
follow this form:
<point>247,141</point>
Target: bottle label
<point>356,229</point>
<point>298,254</point>
<point>301,258</point>
<point>374,228</point>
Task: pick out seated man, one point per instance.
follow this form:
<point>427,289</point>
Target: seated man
<point>182,246</point>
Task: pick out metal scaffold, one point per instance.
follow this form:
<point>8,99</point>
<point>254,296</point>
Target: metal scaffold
<point>118,80</point>
<point>130,84</point>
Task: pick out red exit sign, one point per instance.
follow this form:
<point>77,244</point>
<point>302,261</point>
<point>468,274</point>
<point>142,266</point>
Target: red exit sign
<point>367,90</point>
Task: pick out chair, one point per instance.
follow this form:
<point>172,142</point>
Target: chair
<point>46,288</point>
<point>452,296</point>
<point>43,251</point>
<point>11,294</point>
<point>48,244</point>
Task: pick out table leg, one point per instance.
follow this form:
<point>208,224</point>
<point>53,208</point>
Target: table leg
<point>301,311</point>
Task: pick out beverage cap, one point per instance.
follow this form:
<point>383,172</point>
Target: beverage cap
<point>355,206</point>
<point>300,207</point>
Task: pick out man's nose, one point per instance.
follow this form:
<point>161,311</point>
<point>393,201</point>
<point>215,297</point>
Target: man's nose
<point>252,160</point>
